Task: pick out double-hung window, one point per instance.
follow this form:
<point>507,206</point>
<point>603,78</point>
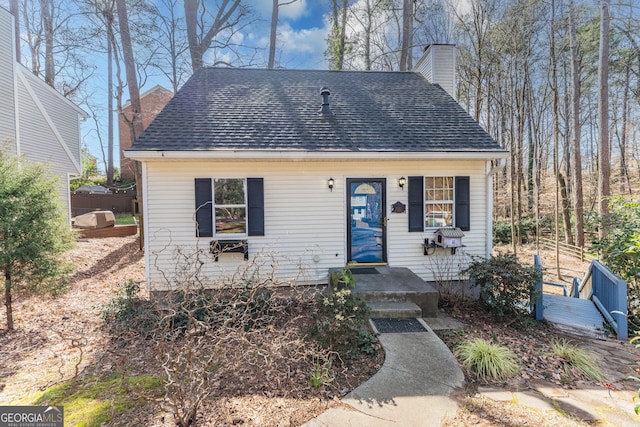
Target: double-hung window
<point>229,207</point>
<point>439,202</point>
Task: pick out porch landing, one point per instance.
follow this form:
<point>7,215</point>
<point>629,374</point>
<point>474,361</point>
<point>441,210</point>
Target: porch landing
<point>395,292</point>
<point>576,315</point>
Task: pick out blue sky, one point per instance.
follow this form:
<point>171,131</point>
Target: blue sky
<point>302,32</point>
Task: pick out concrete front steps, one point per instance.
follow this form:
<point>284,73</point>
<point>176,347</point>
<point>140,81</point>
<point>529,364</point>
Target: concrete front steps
<point>395,292</point>
<point>394,310</point>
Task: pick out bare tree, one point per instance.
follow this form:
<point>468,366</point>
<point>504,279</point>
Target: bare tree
<point>578,198</point>
<point>604,155</point>
<point>108,15</point>
<point>337,41</point>
<point>556,131</point>
<point>202,36</point>
<point>134,92</point>
<point>47,10</point>
<point>15,11</point>
<point>407,35</point>
<point>273,33</point>
<point>58,40</point>
<point>172,46</point>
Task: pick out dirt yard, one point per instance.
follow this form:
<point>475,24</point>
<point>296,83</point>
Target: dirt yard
<point>57,339</point>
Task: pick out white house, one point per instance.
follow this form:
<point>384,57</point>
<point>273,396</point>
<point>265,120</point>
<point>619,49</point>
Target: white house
<point>36,122</point>
<point>309,170</point>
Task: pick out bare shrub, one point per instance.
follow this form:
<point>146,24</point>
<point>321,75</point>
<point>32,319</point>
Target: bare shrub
<point>206,337</point>
<point>451,284</point>
<point>244,333</point>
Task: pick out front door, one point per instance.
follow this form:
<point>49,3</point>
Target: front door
<point>366,230</point>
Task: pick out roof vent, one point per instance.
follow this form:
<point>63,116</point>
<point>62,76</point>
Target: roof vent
<point>325,101</point>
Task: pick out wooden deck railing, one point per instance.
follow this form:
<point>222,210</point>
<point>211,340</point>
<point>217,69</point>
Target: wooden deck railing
<point>609,294</point>
<point>607,291</point>
<point>566,249</point>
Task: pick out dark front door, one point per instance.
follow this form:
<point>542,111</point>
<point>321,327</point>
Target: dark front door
<point>366,230</point>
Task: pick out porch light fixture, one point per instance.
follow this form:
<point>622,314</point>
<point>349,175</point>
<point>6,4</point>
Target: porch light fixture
<point>401,182</point>
<point>330,183</point>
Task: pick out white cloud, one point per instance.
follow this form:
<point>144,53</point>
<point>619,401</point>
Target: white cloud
<point>303,48</point>
<point>293,11</point>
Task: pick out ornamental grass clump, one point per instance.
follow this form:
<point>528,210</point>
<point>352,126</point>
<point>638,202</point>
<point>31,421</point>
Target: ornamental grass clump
<point>577,359</point>
<point>487,360</point>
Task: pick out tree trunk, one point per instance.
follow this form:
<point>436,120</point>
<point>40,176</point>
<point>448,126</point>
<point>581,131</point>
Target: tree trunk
<point>343,34</point>
<point>578,198</point>
<point>624,173</point>
<point>272,35</point>
<point>407,9</point>
<point>46,7</point>
<point>367,36</point>
<point>7,298</point>
<point>604,155</point>
<point>566,211</point>
<point>13,8</point>
<point>191,19</point>
<point>556,131</point>
<point>108,15</point>
<point>136,127</point>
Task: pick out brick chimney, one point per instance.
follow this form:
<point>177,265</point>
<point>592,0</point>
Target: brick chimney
<point>438,66</point>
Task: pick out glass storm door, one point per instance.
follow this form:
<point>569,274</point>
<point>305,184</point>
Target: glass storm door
<point>366,220</point>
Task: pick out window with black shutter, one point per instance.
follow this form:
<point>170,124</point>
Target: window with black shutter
<point>229,207</point>
<point>439,202</point>
<point>204,207</point>
<point>255,204</point>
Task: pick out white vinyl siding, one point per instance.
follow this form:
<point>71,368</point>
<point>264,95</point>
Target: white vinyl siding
<point>7,99</point>
<point>305,222</point>
<point>438,66</point>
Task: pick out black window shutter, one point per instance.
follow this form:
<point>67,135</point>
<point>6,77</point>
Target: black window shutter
<point>255,202</point>
<point>462,203</point>
<point>416,203</point>
<point>204,208</point>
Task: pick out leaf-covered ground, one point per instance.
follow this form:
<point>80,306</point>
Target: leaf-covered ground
<point>58,339</point>
<point>64,339</point>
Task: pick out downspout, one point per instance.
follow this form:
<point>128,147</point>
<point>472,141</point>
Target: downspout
<point>145,227</point>
<point>491,171</point>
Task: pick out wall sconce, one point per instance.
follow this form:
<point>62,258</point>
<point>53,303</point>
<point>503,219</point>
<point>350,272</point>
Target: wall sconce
<point>330,183</point>
<point>401,182</point>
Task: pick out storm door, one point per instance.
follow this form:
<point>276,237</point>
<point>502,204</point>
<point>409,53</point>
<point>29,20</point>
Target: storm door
<point>366,219</point>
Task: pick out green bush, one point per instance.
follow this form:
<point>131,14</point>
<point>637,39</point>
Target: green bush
<point>487,360</point>
<point>620,250</point>
<point>506,285</point>
<point>127,311</point>
<point>501,232</point>
<point>339,316</point>
<point>502,229</point>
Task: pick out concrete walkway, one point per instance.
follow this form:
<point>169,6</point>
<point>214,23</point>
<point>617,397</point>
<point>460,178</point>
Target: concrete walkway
<point>593,403</point>
<point>412,388</point>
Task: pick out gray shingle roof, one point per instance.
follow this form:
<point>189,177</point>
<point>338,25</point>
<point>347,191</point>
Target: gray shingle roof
<point>258,109</point>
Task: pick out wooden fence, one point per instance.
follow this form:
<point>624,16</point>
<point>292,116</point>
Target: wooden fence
<point>566,249</point>
<point>116,203</point>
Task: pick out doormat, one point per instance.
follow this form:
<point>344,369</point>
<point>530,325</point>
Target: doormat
<point>364,270</point>
<point>397,326</point>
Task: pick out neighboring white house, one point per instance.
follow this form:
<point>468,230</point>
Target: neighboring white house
<point>36,122</point>
<point>310,170</point>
